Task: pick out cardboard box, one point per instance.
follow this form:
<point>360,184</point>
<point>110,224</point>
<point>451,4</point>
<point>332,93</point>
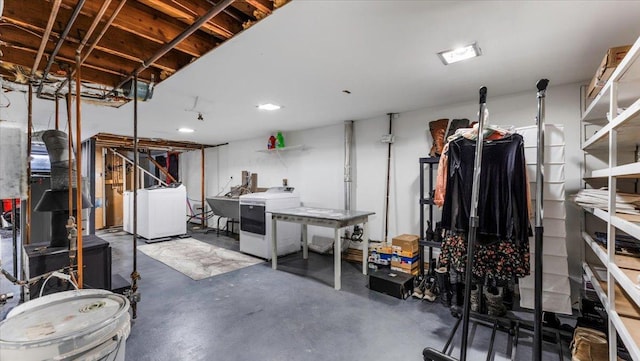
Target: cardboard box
<point>405,266</point>
<point>611,60</point>
<point>383,248</point>
<point>406,242</point>
<point>413,271</point>
<point>408,260</point>
<point>406,254</point>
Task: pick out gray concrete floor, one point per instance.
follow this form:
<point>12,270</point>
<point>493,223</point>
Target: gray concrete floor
<point>292,313</point>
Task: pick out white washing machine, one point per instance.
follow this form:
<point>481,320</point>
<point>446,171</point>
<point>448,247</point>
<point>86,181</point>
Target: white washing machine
<point>255,222</point>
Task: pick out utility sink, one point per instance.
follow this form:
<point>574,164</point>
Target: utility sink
<point>225,207</point>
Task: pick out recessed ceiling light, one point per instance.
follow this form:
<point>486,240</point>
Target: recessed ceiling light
<point>269,106</point>
<point>185,130</point>
<point>459,54</point>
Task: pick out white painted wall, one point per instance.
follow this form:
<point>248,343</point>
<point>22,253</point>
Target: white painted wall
<point>317,171</point>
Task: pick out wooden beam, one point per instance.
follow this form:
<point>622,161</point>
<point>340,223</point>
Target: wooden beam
<point>150,24</point>
<point>97,60</point>
<point>20,56</point>
<point>245,8</point>
<point>126,142</point>
<point>92,71</point>
<point>29,15</point>
<point>265,6</point>
<point>188,11</point>
<point>160,167</point>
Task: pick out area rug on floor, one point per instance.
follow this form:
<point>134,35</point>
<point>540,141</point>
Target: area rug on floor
<point>197,259</point>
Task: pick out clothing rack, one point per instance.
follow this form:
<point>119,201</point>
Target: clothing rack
<point>506,324</point>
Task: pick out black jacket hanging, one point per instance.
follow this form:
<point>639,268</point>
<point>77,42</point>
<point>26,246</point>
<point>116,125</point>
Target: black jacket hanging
<point>502,202</point>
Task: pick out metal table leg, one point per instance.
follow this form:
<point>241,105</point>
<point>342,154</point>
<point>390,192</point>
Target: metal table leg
<point>305,243</point>
<point>365,247</point>
<point>337,259</point>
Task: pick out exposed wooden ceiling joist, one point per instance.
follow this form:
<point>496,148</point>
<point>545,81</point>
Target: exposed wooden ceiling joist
<point>150,24</point>
<point>21,56</point>
<point>153,37</point>
<point>188,11</point>
<point>264,6</point>
<point>144,144</point>
<point>31,15</point>
<point>97,59</point>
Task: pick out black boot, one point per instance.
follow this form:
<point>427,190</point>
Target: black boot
<point>442,275</point>
<point>457,288</point>
<point>459,294</point>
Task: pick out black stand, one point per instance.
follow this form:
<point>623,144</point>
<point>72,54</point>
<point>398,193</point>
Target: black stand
<point>537,301</point>
<point>511,326</point>
<point>432,162</point>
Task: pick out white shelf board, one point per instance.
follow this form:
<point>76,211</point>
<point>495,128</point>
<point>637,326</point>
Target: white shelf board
<point>629,69</point>
<point>631,170</point>
<point>284,149</point>
<point>600,140</point>
<point>595,282</point>
<point>597,249</point>
<point>599,106</point>
<point>627,73</point>
<point>631,228</point>
<point>600,213</point>
<point>623,325</point>
<point>629,286</point>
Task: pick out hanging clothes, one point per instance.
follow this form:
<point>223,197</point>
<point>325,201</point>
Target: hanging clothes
<point>501,260</point>
<point>502,204</point>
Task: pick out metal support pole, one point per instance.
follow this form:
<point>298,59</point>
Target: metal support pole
<point>27,211</point>
<point>14,236</point>
<point>386,202</point>
<point>134,274</point>
<point>473,224</point>
<point>70,144</point>
<point>202,188</point>
<point>539,229</point>
<point>78,172</point>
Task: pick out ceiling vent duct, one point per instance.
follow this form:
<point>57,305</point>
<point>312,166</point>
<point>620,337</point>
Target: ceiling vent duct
<point>145,90</point>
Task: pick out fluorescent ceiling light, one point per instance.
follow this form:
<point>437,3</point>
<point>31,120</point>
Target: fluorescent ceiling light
<point>268,106</point>
<point>185,130</point>
<point>459,54</point>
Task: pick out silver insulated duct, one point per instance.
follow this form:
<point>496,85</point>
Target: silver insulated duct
<point>56,199</point>
<point>57,146</point>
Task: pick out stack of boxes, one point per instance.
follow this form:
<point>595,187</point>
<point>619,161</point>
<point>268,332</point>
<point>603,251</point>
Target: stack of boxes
<point>380,256</point>
<point>405,255</point>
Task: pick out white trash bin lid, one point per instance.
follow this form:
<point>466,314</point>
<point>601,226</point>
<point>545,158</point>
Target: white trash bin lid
<point>65,324</point>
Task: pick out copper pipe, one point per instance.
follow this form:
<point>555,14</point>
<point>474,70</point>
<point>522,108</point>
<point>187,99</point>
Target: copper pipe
<point>79,169</point>
<point>202,185</point>
<point>29,135</point>
<point>70,140</point>
<point>63,36</point>
<point>45,36</point>
<point>170,45</point>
